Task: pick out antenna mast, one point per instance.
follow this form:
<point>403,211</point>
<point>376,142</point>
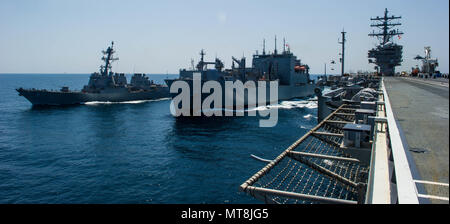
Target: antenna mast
<point>385,24</point>
<point>343,52</point>
<point>264,46</point>
<point>108,59</point>
<point>201,64</point>
<point>275,52</point>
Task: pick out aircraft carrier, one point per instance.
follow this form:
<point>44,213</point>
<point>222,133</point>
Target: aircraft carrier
<point>358,153</point>
<point>386,55</point>
<point>103,86</point>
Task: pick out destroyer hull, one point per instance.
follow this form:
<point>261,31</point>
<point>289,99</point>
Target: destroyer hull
<point>41,97</point>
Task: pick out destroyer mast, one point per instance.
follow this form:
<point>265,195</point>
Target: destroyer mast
<point>387,54</point>
<point>108,59</point>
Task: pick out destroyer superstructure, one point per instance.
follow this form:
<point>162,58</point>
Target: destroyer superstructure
<point>103,86</point>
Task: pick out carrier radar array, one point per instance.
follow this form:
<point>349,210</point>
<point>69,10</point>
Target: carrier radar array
<point>387,54</point>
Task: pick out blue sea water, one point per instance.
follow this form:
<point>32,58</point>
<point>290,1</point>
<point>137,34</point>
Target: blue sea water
<point>134,152</point>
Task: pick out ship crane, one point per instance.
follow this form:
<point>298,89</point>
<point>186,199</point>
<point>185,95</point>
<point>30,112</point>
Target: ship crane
<point>241,63</point>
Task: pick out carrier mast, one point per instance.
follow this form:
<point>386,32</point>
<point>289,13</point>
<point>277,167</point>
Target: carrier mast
<point>387,54</point>
<point>386,34</point>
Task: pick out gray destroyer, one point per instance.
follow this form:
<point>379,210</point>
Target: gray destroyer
<point>103,86</point>
<point>292,77</point>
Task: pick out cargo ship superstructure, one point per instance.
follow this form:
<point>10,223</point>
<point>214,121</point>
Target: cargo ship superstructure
<point>103,86</point>
<point>290,74</point>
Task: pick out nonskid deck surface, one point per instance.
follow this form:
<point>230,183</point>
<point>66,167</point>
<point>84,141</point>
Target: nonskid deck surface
<point>421,109</point>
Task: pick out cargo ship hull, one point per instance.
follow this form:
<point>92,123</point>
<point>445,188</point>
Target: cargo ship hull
<point>285,92</point>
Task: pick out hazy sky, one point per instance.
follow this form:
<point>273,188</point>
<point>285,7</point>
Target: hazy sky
<point>44,36</point>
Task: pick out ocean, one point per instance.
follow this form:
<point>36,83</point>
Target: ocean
<point>132,152</point>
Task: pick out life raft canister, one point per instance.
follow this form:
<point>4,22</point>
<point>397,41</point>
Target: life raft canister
<point>298,68</point>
